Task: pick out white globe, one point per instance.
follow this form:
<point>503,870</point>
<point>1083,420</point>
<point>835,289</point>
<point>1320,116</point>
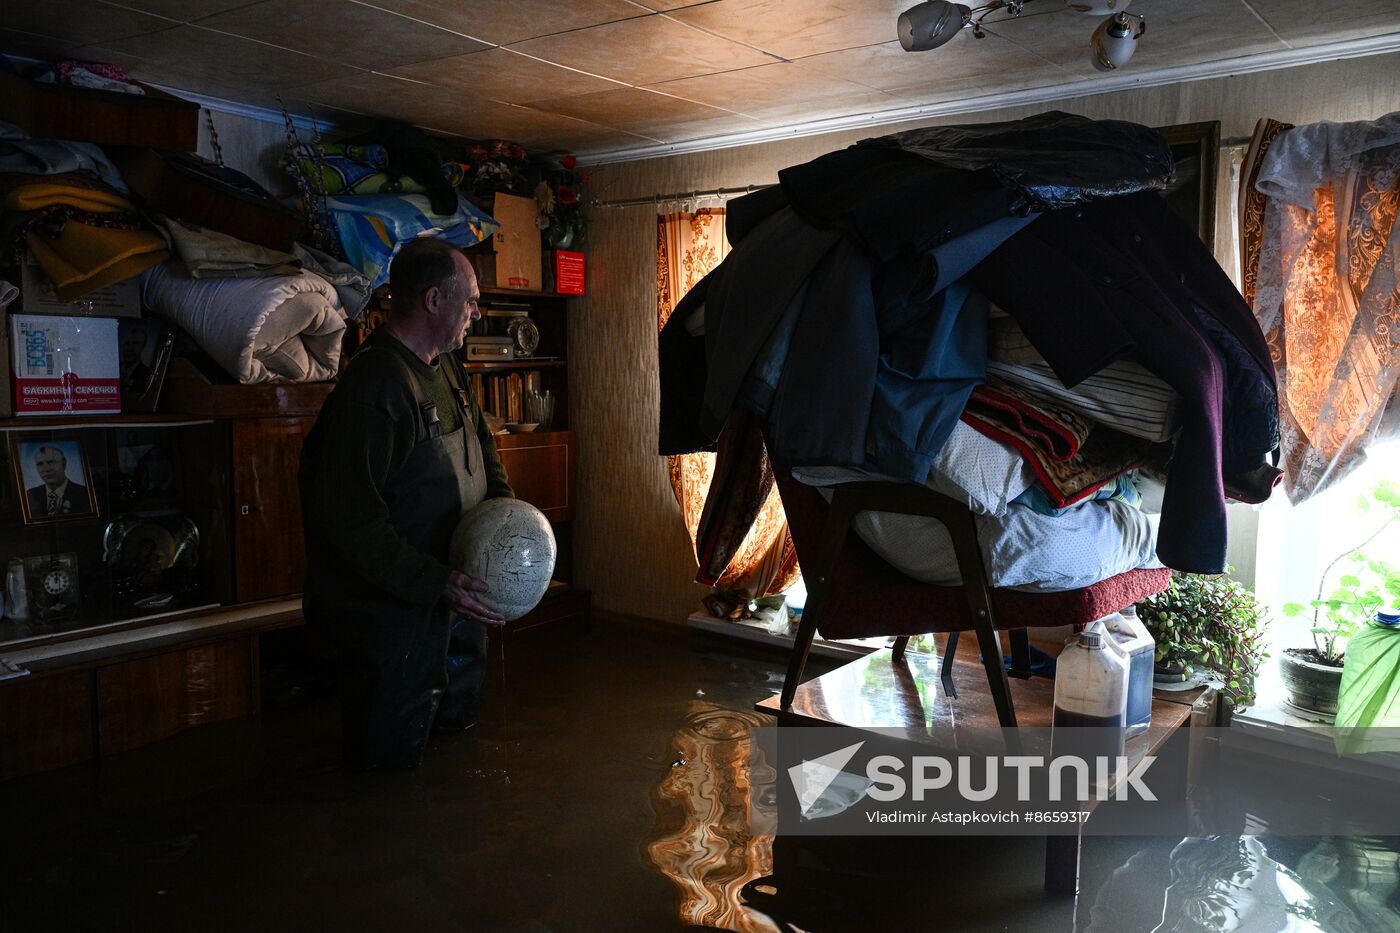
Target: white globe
<point>509,545</point>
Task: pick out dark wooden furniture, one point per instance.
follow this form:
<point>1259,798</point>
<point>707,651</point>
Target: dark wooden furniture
<point>108,118</point>
<point>540,464</point>
<point>855,594</point>
<point>266,426</point>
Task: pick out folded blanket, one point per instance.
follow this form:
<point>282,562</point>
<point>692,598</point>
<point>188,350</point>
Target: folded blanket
<point>285,328</point>
<point>1123,395</point>
<point>373,227</point>
<point>83,235</point>
<point>1071,456</point>
<point>19,153</point>
<point>208,254</point>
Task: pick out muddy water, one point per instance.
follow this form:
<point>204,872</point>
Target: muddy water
<point>603,790</point>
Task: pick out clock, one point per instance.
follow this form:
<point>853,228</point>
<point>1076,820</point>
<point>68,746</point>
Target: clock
<point>53,584</point>
<point>57,581</point>
<point>524,336</point>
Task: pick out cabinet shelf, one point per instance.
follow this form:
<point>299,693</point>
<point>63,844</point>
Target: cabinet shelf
<point>134,420</point>
<point>495,292</point>
<point>515,364</point>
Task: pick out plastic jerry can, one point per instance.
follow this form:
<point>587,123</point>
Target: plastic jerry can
<point>1091,697</point>
<point>1130,638</point>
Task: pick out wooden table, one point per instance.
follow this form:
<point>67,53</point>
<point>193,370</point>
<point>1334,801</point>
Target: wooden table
<point>874,692</point>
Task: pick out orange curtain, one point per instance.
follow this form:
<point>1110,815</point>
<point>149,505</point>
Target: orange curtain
<point>688,246</point>
<point>1321,250</point>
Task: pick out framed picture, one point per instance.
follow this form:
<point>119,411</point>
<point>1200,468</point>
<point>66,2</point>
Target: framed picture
<point>1196,151</point>
<point>54,481</point>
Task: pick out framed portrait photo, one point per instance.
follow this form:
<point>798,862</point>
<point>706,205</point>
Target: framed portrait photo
<point>54,481</point>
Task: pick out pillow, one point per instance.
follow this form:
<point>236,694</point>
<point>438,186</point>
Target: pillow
<point>982,473</point>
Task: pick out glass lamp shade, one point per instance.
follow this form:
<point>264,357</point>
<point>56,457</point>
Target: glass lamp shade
<point>1098,7</point>
<point>931,24</point>
<point>1114,42</point>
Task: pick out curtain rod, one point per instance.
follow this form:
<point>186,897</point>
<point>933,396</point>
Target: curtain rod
<point>683,196</point>
<point>721,193</point>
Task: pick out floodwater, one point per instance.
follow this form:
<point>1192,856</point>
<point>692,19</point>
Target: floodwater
<point>606,788</point>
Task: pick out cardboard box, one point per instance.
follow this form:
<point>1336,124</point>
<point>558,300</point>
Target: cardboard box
<point>517,243</point>
<point>37,295</point>
<point>568,269</point>
<point>64,365</point>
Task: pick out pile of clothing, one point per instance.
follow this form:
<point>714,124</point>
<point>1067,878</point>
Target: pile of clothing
<point>851,333</point>
<point>263,314</point>
<point>383,189</point>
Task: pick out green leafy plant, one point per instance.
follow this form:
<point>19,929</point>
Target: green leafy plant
<point>1369,587</point>
<point>1212,623</point>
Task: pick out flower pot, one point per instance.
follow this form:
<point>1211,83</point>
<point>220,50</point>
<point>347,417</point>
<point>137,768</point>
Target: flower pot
<point>1169,672</point>
<point>1311,685</point>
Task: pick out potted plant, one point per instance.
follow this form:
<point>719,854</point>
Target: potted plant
<point>1313,675</point>
<point>1209,625</point>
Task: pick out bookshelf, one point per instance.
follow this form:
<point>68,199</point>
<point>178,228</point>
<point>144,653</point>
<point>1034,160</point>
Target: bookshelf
<point>540,464</point>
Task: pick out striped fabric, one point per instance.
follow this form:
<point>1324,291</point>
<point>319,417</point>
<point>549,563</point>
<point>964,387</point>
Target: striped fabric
<point>1123,395</point>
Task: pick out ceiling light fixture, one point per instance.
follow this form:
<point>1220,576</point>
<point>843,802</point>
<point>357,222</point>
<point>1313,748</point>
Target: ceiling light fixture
<point>1115,41</point>
<point>933,23</point>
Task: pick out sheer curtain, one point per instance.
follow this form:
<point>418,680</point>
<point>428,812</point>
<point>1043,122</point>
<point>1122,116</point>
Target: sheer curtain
<point>1319,249</point>
<point>689,245</point>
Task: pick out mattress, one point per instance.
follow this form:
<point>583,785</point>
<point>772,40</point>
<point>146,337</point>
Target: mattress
<point>1021,549</point>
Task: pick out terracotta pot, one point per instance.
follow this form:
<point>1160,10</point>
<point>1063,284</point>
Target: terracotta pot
<point>1311,685</point>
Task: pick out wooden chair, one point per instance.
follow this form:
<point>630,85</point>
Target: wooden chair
<point>853,593</point>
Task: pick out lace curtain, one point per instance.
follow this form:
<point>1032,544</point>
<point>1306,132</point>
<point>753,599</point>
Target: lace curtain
<point>1321,252</point>
<point>687,247</point>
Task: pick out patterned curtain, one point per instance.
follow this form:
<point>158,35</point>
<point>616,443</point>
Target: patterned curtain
<point>688,246</point>
<point>1321,255</point>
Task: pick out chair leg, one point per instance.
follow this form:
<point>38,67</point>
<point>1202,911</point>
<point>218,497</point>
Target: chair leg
<point>838,522</point>
<point>897,649</point>
<point>1020,653</point>
<point>996,671</point>
<point>801,648</point>
<point>950,653</point>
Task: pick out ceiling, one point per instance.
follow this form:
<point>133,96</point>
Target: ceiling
<point>640,75</point>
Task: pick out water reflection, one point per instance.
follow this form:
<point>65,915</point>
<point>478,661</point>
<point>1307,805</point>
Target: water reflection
<point>702,838</point>
<point>1253,884</point>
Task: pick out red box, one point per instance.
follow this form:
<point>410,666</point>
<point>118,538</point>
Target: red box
<point>64,365</point>
<point>568,272</point>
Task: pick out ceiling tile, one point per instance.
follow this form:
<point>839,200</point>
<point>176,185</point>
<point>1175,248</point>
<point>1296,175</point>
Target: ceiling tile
<point>14,42</point>
<point>794,28</point>
<point>783,90</point>
<point>647,114</point>
<point>1178,33</point>
<point>967,61</point>
<point>78,21</point>
<point>503,75</point>
<point>342,31</point>
<point>185,11</point>
<point>644,51</point>
<point>506,21</point>
<point>188,55</point>
<point>1307,22</point>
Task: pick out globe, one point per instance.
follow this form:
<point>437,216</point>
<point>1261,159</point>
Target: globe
<point>508,545</point>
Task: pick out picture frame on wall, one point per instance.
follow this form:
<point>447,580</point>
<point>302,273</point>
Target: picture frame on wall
<point>1195,149</point>
<point>53,479</point>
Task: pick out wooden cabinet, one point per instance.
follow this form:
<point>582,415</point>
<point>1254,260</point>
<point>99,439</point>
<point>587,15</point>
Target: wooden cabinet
<point>269,551</point>
<point>540,468</point>
<point>149,699</point>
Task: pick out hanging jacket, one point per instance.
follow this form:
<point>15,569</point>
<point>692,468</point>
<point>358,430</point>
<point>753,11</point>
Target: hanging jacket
<point>1125,277</point>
